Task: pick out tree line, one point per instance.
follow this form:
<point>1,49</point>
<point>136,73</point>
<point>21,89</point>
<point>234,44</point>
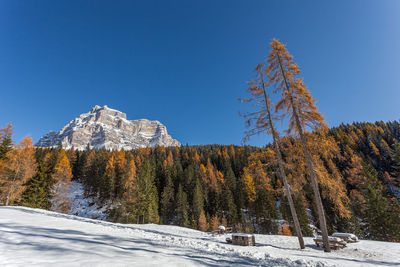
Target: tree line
<point>340,179</point>
<point>204,186</point>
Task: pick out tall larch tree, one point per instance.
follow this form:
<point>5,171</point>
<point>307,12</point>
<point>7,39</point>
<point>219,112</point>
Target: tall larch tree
<point>298,104</point>
<point>62,177</point>
<point>262,120</point>
<point>20,167</point>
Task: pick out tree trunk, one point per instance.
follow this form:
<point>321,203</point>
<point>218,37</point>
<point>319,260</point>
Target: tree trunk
<point>282,173</point>
<point>318,201</point>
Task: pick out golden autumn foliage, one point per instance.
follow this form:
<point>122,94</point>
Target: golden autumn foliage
<point>203,224</point>
<point>283,75</point>
<point>262,120</point>
<point>19,166</point>
<point>215,222</point>
<point>212,178</point>
<point>130,177</point>
<point>62,181</point>
<point>120,160</point>
<point>323,151</point>
<point>259,161</point>
<point>285,230</point>
<point>196,157</point>
<point>249,187</point>
<point>110,167</point>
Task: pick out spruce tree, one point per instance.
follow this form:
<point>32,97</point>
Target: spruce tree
<point>167,201</point>
<point>37,194</point>
<point>198,202</point>
<point>5,141</point>
<point>181,214</point>
<point>147,197</point>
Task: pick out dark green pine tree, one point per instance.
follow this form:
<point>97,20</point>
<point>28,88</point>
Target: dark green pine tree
<point>229,175</point>
<point>5,141</point>
<point>167,201</point>
<point>197,203</point>
<point>265,211</point>
<point>118,182</point>
<point>301,214</point>
<point>382,217</point>
<point>147,197</point>
<point>396,162</point>
<point>181,213</point>
<point>78,166</point>
<point>228,205</point>
<point>37,194</point>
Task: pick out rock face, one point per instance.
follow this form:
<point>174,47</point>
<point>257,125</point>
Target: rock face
<point>108,128</point>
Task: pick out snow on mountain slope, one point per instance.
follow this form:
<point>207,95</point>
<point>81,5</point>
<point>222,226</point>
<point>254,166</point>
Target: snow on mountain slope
<point>103,127</point>
<point>34,237</point>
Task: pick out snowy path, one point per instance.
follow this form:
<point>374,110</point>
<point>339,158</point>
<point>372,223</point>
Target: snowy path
<point>34,237</point>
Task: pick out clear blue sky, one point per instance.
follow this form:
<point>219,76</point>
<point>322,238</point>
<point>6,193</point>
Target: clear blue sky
<point>185,63</point>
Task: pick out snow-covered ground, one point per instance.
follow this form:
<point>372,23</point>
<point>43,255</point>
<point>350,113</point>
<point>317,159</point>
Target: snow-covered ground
<point>34,237</point>
<point>84,207</point>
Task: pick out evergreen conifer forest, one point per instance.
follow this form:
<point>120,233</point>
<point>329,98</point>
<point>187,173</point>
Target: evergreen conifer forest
<point>203,186</point>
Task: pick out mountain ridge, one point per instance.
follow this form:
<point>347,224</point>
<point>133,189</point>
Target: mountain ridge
<point>104,127</point>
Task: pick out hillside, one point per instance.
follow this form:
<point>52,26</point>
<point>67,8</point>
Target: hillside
<point>202,186</point>
<point>36,237</point>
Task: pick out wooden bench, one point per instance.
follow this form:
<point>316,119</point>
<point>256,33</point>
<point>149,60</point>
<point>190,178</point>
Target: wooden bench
<point>349,238</point>
<point>335,243</point>
<point>242,239</point>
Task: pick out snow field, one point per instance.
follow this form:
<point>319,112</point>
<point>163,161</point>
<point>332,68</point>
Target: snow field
<point>34,237</point>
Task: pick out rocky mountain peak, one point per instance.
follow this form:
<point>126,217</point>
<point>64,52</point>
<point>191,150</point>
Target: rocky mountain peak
<point>104,127</point>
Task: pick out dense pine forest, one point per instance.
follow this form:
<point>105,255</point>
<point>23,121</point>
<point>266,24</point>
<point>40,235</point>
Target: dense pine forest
<point>201,187</point>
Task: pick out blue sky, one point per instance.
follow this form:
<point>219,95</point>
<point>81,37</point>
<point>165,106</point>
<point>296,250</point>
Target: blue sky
<point>185,63</point>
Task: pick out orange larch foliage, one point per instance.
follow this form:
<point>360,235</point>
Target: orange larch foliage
<point>110,167</point>
<point>62,181</point>
<point>170,159</point>
<point>375,150</point>
<point>19,168</point>
<point>120,160</point>
<point>203,224</point>
<point>196,157</point>
<point>285,230</point>
<point>215,222</point>
<point>130,181</point>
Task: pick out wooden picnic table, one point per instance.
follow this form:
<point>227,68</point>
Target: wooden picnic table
<point>335,243</point>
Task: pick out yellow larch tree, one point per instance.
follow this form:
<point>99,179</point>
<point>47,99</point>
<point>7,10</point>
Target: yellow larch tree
<point>249,187</point>
<point>299,106</point>
<point>203,224</point>
<point>263,120</point>
<point>19,167</point>
<point>62,177</point>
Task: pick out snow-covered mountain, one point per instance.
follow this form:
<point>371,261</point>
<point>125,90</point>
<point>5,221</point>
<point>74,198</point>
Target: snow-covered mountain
<point>103,127</point>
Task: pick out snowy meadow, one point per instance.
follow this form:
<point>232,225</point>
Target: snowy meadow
<point>34,237</point>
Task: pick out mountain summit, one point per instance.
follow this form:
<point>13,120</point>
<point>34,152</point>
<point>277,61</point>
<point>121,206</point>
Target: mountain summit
<point>103,127</point>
